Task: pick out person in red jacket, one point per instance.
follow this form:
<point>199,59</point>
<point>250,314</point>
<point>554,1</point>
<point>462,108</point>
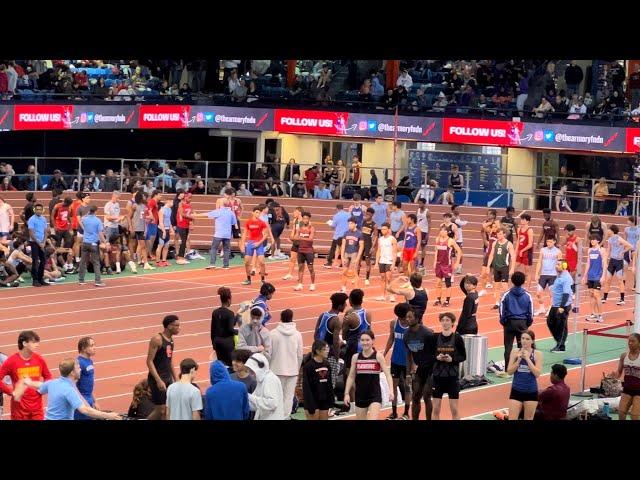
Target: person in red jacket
<point>25,363</point>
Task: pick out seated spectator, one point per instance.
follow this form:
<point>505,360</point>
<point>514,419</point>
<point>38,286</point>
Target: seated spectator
<point>276,190</point>
<point>365,94</point>
<point>198,188</point>
<point>225,399</point>
<point>377,90</point>
<point>185,91</point>
<point>321,192</point>
<point>559,105</point>
<point>6,186</point>
<point>242,191</point>
<point>298,191</point>
<point>141,405</point>
<point>388,101</point>
<point>447,197</point>
<point>239,94</point>
<point>479,102</point>
<point>421,102</point>
<point>545,107</point>
<point>588,101</point>
<point>577,109</point>
<point>183,184</point>
<point>467,97</point>
<point>615,103</point>
<point>234,82</point>
<point>254,336</point>
<point>554,401</point>
<point>100,88</point>
<point>441,103</point>
<point>404,80</point>
<point>8,274</point>
<point>57,182</point>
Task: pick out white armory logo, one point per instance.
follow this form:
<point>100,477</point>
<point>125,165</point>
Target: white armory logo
<point>478,132</point>
<point>307,122</point>
<point>161,117</point>
<point>40,117</point>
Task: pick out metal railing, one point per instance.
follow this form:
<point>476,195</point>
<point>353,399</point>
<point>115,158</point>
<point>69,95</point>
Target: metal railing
<point>210,177</point>
<point>308,100</point>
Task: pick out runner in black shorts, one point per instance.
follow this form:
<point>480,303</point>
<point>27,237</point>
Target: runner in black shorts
<point>304,235</point>
<point>160,364</point>
<point>420,343</point>
<point>397,329</point>
<point>450,352</point>
<point>365,373</point>
<point>370,236</point>
<point>295,224</point>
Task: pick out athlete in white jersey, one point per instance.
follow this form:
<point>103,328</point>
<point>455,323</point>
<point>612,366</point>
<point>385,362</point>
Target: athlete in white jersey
<point>455,210</point>
<point>424,219</point>
<point>385,259</point>
<point>546,272</point>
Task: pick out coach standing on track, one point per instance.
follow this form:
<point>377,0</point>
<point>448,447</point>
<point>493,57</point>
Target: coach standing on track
<point>93,233</point>
<point>37,228</point>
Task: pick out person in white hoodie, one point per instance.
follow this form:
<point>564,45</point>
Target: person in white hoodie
<point>286,357</point>
<point>266,399</point>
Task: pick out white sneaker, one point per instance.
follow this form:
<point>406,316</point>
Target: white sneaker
<point>287,277</point>
<point>488,285</point>
<point>367,282</point>
<point>381,299</point>
<point>343,289</point>
<point>541,311</point>
<point>621,302</point>
<point>147,266</point>
<point>298,287</point>
<point>133,267</point>
<point>392,298</point>
<point>312,287</point>
<point>458,270</point>
<point>599,319</point>
<point>482,293</point>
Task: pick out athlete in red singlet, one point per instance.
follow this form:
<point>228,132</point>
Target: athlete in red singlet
<point>445,246</point>
<point>572,246</point>
<point>524,248</point>
<point>61,218</point>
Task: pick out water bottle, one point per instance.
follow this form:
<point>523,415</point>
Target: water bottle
<point>605,409</point>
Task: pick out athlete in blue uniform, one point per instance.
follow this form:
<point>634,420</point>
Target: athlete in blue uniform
<point>397,329</point>
<point>328,329</point>
<point>86,350</point>
<point>616,250</point>
<point>356,210</point>
<point>356,320</point>
<point>412,239</point>
<point>597,259</point>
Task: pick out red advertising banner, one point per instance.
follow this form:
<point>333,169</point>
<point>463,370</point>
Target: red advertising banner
<point>482,132</point>
<point>311,121</point>
<point>42,117</point>
<point>633,140</point>
<point>164,116</point>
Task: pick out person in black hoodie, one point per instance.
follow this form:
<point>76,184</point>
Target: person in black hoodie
<point>317,385</point>
<point>450,353</point>
<point>467,323</point>
<point>516,313</point>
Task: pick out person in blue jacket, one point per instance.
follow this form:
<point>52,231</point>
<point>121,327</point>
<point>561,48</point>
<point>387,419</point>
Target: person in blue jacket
<point>225,399</point>
<point>516,314</point>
